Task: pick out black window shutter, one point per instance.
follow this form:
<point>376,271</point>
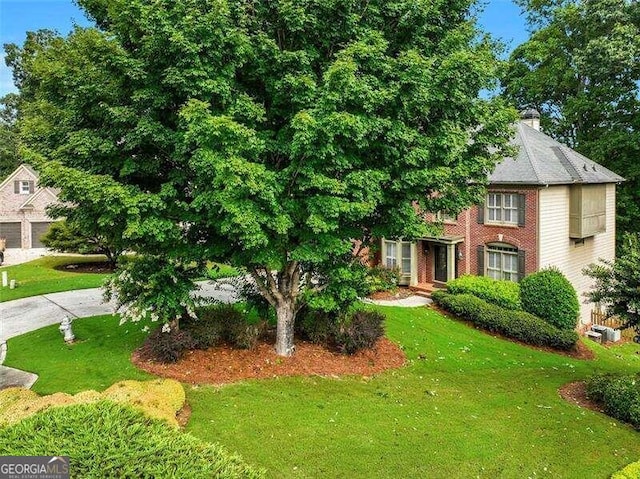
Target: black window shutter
<point>16,187</point>
<point>521,264</point>
<point>32,186</point>
<point>522,199</point>
<point>481,260</point>
<point>481,214</point>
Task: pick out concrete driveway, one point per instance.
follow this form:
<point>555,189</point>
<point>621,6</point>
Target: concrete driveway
<point>23,315</point>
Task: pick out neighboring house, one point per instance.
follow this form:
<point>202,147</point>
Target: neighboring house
<point>23,219</point>
<point>549,206</point>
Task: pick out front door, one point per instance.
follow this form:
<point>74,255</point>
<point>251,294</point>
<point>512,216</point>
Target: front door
<point>440,263</point>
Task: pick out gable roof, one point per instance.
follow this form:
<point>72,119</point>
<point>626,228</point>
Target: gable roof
<point>22,167</point>
<point>541,160</point>
<point>40,192</point>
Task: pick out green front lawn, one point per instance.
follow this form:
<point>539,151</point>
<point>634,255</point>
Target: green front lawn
<point>99,358</point>
<point>466,405</point>
<point>40,276</point>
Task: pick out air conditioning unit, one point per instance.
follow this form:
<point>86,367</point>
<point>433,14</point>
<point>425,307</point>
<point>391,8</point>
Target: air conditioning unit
<point>613,335</point>
<point>608,334</point>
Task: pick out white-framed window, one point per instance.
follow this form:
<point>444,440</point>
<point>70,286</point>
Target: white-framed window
<point>405,258</point>
<point>502,208</point>
<point>398,254</point>
<point>502,262</point>
<point>25,188</point>
<point>391,254</point>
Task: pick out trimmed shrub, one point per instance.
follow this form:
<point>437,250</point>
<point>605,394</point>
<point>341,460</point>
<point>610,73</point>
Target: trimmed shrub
<point>170,346</point>
<point>518,325</point>
<point>501,293</point>
<point>159,398</point>
<point>205,334</point>
<point>619,395</point>
<point>632,471</point>
<point>359,330</point>
<point>379,278</point>
<point>346,334</point>
<point>226,322</point>
<point>550,296</point>
<point>108,440</point>
<point>316,326</point>
<point>205,331</point>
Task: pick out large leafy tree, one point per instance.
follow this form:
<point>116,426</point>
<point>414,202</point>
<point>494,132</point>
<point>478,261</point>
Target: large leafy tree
<point>9,156</point>
<point>273,135</point>
<point>581,70</point>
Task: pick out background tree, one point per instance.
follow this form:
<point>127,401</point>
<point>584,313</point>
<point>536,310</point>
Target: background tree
<point>66,237</point>
<point>270,135</point>
<point>581,70</point>
<point>617,283</point>
<point>9,156</point>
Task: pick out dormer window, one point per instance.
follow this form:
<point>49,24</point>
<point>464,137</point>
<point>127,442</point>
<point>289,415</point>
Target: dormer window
<point>23,187</point>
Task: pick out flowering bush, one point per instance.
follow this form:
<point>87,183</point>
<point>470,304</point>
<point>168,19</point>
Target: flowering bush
<point>151,287</point>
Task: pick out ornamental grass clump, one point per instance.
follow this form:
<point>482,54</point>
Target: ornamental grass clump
<point>108,440</point>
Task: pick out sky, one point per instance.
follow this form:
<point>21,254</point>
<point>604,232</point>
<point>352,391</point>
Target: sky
<point>502,18</point>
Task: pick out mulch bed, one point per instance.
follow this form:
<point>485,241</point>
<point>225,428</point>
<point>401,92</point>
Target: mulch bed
<point>399,293</point>
<point>95,267</point>
<point>223,364</point>
<point>576,393</point>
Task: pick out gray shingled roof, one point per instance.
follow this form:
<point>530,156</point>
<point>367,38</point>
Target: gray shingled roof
<point>541,160</point>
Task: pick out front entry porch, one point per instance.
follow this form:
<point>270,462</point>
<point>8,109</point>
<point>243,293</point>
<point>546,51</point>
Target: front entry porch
<point>439,260</point>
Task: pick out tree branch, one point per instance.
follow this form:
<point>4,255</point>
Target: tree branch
<point>261,285</point>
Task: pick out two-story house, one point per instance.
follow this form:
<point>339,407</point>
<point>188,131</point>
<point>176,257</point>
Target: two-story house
<point>548,206</point>
<point>23,219</point>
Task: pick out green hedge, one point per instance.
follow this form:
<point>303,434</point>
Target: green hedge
<point>501,293</point>
<point>549,295</point>
<point>106,440</point>
<point>518,325</point>
<point>619,395</point>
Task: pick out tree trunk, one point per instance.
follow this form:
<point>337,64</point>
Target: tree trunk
<point>285,312</point>
<point>281,289</point>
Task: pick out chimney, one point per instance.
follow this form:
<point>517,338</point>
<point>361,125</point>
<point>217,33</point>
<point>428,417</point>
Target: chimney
<point>531,117</point>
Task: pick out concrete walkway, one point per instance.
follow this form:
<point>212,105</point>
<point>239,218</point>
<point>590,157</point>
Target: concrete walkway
<point>410,302</point>
<point>28,314</point>
<point>11,377</point>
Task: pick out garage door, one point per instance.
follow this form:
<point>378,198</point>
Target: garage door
<point>12,233</point>
<point>38,230</point>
